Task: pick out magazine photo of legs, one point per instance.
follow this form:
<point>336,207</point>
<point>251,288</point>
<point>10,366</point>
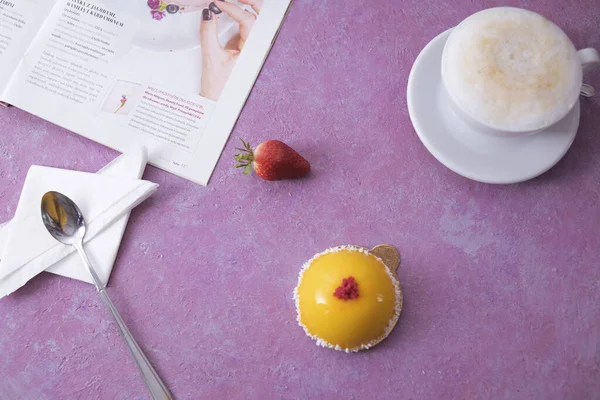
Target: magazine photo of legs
<point>217,60</point>
<point>170,25</point>
<point>188,46</point>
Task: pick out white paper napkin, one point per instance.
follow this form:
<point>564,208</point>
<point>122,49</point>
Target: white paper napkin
<point>105,199</point>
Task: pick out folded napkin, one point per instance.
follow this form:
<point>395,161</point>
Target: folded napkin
<point>105,199</point>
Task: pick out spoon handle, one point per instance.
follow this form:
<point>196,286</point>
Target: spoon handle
<point>157,388</point>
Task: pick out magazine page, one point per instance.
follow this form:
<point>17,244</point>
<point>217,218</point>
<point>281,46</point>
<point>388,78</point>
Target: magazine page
<point>19,23</point>
<point>172,77</point>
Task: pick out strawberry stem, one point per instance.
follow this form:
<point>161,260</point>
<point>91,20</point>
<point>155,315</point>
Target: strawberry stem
<point>245,159</point>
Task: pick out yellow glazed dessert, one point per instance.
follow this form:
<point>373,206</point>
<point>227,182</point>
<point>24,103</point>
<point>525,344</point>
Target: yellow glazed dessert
<point>347,298</point>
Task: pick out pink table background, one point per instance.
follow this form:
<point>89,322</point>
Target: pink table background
<point>502,283</point>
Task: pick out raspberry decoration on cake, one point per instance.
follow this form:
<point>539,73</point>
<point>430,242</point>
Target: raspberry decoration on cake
<point>348,290</point>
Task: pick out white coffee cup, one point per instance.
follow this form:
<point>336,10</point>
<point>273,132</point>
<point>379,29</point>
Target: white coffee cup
<point>511,72</point>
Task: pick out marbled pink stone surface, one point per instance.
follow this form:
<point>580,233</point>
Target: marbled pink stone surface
<point>501,283</point>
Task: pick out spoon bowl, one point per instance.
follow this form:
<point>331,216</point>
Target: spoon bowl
<point>62,218</point>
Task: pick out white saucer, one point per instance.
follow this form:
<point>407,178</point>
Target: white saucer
<point>471,154</point>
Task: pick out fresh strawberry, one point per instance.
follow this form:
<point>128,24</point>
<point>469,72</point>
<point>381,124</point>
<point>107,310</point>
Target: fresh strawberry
<point>272,161</point>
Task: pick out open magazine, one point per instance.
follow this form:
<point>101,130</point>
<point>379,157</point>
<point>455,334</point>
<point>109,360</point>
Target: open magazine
<point>171,75</point>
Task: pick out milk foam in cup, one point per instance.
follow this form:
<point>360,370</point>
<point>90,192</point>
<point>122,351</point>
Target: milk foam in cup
<point>510,71</point>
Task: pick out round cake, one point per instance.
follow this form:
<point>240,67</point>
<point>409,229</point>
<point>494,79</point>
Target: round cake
<point>348,299</point>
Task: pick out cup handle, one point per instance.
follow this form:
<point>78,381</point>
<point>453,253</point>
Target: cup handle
<point>589,58</point>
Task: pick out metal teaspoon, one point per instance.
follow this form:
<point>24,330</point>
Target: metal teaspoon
<point>65,222</point>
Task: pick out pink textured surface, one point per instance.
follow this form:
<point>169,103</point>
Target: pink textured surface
<point>501,283</point>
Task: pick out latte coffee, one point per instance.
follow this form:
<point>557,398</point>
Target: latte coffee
<point>511,70</point>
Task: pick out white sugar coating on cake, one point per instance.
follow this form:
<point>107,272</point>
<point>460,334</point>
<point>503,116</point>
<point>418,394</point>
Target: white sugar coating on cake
<point>511,69</point>
<point>391,323</point>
